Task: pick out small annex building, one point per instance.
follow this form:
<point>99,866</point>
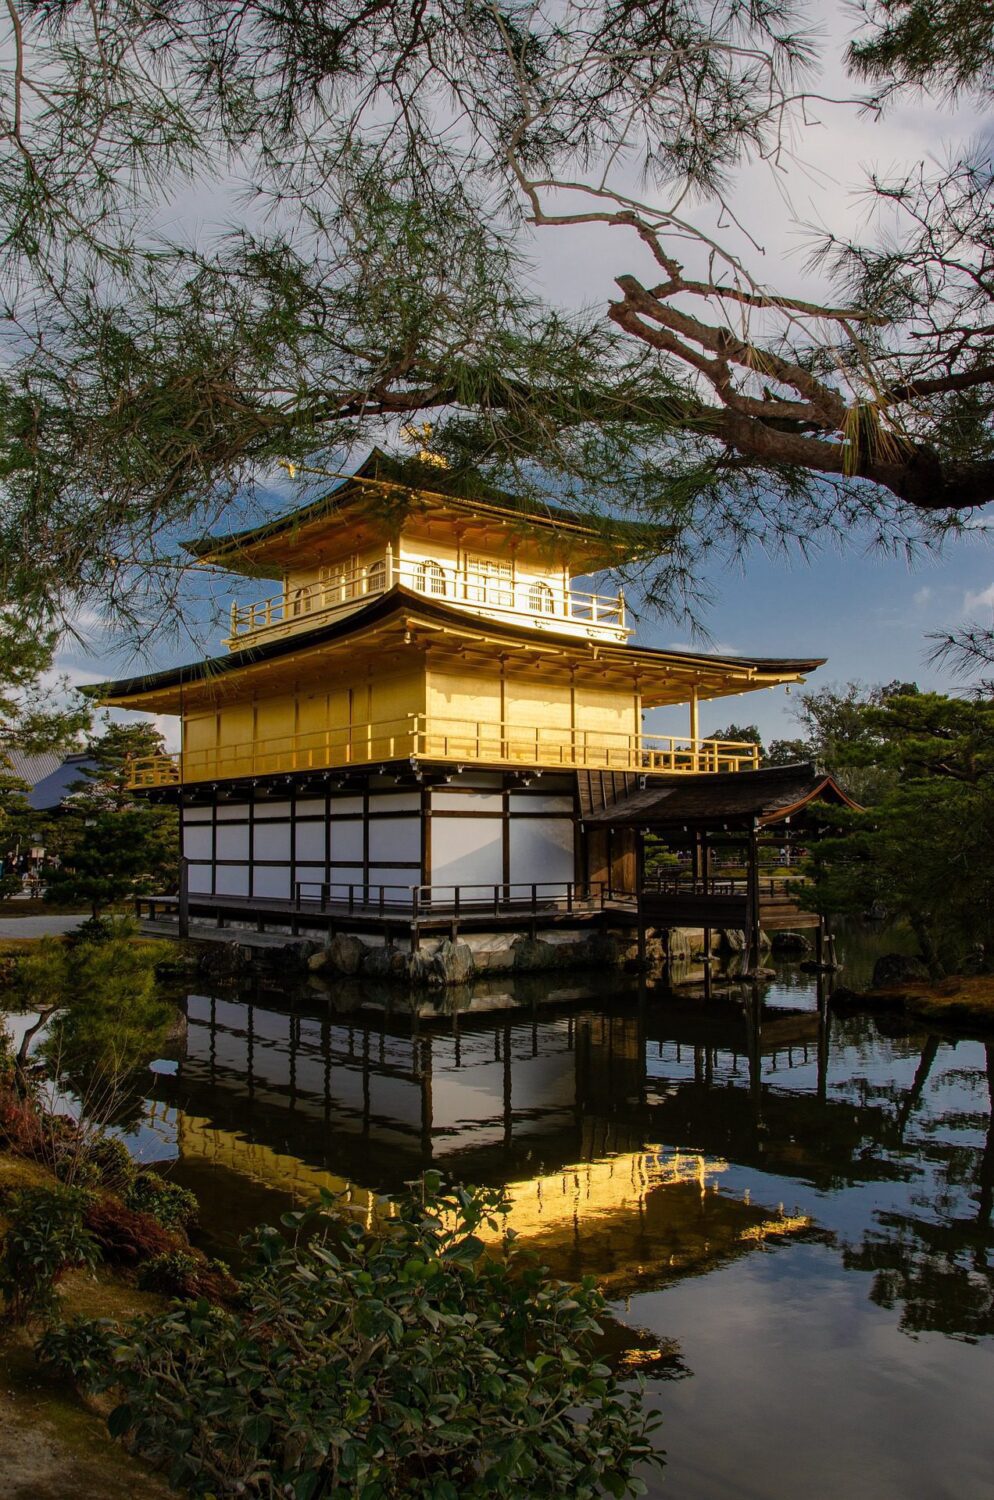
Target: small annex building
<point>425,705</point>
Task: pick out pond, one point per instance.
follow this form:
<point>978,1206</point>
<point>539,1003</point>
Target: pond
<point>789,1210</point>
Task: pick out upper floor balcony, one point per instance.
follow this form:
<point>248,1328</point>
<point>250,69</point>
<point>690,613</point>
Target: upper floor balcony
<point>493,592</point>
<point>421,737</point>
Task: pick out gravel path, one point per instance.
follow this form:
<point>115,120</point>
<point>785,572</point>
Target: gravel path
<point>30,927</point>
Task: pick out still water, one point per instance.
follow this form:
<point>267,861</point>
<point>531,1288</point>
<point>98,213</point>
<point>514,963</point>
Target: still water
<point>789,1210</point>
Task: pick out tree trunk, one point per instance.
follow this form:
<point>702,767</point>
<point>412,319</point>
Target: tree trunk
<point>926,947</point>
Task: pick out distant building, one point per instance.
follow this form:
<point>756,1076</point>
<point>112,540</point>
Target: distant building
<point>49,777</point>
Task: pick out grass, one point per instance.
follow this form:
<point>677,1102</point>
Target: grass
<point>960,999</point>
<point>55,1443</point>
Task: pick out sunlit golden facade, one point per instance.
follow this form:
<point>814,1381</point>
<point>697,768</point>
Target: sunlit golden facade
<point>414,635</point>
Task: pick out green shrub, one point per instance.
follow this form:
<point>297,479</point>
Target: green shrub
<point>172,1206</point>
<point>111,1161</point>
<point>95,930</point>
<point>7,1054</point>
<point>45,1237</point>
<point>80,1347</point>
<point>407,1363</point>
<point>171,1274</point>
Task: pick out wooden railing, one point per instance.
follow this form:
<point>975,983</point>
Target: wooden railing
<point>769,887</point>
<point>452,900</point>
<point>527,600</point>
<point>420,737</point>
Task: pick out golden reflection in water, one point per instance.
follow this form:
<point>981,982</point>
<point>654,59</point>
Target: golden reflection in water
<point>627,1219</point>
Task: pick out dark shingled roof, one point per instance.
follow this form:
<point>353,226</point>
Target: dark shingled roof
<point>741,797</point>
<point>52,790</point>
<point>49,777</point>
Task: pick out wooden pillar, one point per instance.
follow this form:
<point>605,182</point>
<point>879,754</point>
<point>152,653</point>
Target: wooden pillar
<point>753,916</point>
<point>824,1040</point>
<point>183,908</point>
<point>640,889</point>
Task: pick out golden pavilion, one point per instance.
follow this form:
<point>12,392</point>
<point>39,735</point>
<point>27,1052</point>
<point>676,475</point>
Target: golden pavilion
<point>424,704</point>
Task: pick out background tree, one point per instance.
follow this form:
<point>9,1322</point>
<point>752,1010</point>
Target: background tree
<point>395,161</point>
<point>116,855</point>
<point>35,716</point>
<point>743,734</point>
<point>922,852</point>
<point>109,843</point>
<point>104,786</point>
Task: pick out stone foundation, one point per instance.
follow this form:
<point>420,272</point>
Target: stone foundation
<point>443,962</point>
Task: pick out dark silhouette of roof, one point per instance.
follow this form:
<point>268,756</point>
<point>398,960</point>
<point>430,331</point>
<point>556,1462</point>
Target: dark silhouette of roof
<point>738,798</point>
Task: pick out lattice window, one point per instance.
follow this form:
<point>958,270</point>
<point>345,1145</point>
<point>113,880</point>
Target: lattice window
<point>541,600</point>
<point>431,577</point>
<point>489,582</point>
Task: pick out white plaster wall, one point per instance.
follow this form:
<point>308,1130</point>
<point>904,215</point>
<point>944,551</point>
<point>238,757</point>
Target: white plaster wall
<point>272,841</point>
<point>310,841</point>
<point>232,880</point>
<point>200,880</point>
<point>271,880</point>
<point>346,842</point>
<point>466,851</point>
<point>197,842</point>
<point>541,849</point>
<point>537,802</point>
<point>395,802</point>
<point>394,838</point>
<point>403,879</point>
<point>233,841</point>
<point>267,809</point>
<point>312,807</point>
<point>447,800</point>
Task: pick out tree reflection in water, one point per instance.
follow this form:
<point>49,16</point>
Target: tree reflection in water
<point>936,1262</point>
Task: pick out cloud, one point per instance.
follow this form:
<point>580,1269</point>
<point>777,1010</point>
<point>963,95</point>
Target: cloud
<point>984,599</point>
<point>923,596</point>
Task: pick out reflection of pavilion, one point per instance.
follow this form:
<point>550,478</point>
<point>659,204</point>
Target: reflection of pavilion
<point>552,1106</point>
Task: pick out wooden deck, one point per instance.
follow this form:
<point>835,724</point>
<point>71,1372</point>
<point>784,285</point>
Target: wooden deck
<point>398,912</point>
<point>771,903</point>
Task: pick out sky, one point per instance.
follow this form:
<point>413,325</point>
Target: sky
<point>868,614</point>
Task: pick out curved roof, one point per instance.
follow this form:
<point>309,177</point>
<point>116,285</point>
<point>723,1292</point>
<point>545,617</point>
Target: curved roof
<point>399,600</point>
<point>395,482</point>
<point>742,798</point>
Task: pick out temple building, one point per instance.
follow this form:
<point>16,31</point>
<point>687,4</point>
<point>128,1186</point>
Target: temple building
<point>424,708</point>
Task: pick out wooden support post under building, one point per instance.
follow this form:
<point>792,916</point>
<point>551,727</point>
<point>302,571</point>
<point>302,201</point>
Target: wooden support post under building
<point>183,907</point>
<point>754,934</point>
<point>640,888</point>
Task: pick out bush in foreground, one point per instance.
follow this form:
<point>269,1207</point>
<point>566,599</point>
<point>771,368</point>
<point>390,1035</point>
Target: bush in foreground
<point>409,1362</point>
<point>45,1237</point>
